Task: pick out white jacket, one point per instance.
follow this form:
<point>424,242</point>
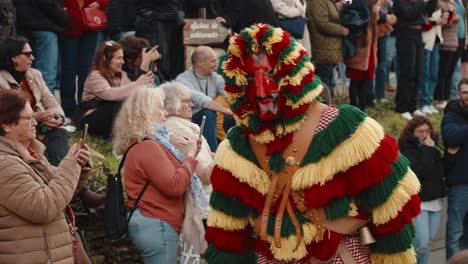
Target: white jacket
<point>429,36</point>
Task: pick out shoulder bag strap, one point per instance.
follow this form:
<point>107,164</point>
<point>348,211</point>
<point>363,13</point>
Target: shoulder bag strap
<point>135,206</point>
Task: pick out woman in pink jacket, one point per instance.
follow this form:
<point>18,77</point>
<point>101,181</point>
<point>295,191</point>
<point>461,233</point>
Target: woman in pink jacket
<point>105,89</point>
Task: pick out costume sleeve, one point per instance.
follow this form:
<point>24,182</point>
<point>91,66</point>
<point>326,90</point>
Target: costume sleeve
<point>228,234</point>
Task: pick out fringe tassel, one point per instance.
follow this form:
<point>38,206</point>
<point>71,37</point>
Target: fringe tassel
<point>235,241</point>
<point>408,256</point>
<point>228,205</point>
<point>396,242</point>
<point>276,162</point>
<point>221,220</point>
<point>338,208</point>
<point>408,187</point>
<point>242,169</point>
<point>213,255</point>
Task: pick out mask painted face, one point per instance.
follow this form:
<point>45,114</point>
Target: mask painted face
<point>263,90</point>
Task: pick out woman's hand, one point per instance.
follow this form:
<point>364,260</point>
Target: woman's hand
<point>80,155</point>
<point>179,142</point>
<point>42,116</point>
<point>148,57</point>
<point>428,141</point>
<point>193,147</point>
<point>146,78</point>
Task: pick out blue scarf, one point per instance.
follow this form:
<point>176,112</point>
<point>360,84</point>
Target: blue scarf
<point>196,186</point>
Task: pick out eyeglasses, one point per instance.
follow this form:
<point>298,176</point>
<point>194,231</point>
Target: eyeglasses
<point>27,53</point>
<point>30,118</point>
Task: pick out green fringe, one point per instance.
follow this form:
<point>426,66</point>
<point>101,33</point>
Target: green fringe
<point>215,256</point>
<point>266,36</point>
<point>255,122</point>
<point>396,242</point>
<point>287,226</point>
<point>276,162</point>
<point>339,130</point>
<point>297,68</point>
<point>284,121</point>
<point>338,208</point>
<point>237,104</point>
<point>295,97</point>
<point>248,40</point>
<point>379,194</point>
<point>228,205</point>
<point>286,51</point>
<point>240,144</point>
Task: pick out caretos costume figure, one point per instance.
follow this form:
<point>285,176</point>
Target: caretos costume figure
<point>284,194</point>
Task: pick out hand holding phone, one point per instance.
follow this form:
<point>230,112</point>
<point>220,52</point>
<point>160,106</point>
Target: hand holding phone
<point>83,136</point>
<point>202,126</point>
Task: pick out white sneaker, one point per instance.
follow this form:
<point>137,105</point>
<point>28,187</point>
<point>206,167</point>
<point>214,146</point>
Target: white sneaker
<point>426,110</point>
<point>406,115</point>
<point>441,105</point>
<point>434,111</point>
<point>418,112</point>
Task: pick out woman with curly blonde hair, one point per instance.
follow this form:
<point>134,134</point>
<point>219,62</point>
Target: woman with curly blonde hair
<point>154,227</point>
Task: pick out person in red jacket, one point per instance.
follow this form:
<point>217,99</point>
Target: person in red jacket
<point>77,48</point>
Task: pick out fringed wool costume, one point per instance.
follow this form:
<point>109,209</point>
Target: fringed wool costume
<point>350,169</point>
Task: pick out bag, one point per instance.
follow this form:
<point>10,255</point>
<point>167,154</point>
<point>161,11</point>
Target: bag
<point>192,243</point>
<point>294,25</point>
<point>115,211</point>
<point>80,255</point>
<point>92,19</point>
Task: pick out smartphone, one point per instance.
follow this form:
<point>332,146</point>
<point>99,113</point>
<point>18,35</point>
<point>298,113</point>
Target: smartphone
<point>84,135</point>
<point>202,126</point>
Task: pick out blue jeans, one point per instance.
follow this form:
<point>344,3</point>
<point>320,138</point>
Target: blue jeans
<point>430,71</point>
<point>154,238</point>
<point>77,54</point>
<point>46,52</point>
<point>210,132</point>
<point>456,78</point>
<point>426,225</point>
<point>456,211</point>
<point>391,57</point>
<point>381,73</point>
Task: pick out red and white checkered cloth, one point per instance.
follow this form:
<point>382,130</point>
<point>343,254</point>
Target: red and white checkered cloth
<point>360,253</point>
<point>328,115</point>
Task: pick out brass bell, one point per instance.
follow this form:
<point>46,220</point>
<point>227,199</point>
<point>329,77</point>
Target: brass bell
<point>290,160</point>
<point>365,236</point>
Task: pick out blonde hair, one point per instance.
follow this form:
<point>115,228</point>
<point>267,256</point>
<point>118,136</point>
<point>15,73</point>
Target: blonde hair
<point>137,117</point>
<point>172,92</point>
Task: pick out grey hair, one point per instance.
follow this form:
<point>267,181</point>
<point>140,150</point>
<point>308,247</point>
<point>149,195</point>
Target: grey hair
<point>172,91</point>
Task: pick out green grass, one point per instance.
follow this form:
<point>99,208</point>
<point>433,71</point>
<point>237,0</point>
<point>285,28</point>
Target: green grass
<point>392,122</point>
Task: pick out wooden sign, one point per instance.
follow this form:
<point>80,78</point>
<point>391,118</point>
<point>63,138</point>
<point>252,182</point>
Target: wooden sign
<point>203,32</point>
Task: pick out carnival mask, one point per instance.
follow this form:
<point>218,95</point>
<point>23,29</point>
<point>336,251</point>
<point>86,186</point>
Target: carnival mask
<point>263,89</point>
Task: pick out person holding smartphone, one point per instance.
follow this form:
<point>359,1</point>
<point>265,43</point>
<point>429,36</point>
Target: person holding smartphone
<point>140,58</point>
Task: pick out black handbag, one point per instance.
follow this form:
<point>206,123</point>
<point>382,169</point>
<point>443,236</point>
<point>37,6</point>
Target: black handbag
<point>294,25</point>
<point>115,211</point>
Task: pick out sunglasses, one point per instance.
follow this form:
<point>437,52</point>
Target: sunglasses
<point>27,53</point>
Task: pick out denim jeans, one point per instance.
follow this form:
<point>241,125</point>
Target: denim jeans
<point>391,57</point>
<point>456,211</point>
<point>430,71</point>
<point>426,225</point>
<point>46,53</point>
<point>210,132</point>
<point>56,142</point>
<point>456,78</point>
<point>77,54</point>
<point>154,238</point>
<point>381,69</point>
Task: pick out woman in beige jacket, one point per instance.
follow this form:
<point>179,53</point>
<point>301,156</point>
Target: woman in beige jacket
<point>33,194</point>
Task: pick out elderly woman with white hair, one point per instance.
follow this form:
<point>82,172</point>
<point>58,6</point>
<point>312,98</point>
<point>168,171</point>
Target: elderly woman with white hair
<point>155,226</point>
<point>179,108</point>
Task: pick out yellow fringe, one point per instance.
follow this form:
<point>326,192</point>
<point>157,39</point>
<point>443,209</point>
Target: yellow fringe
<point>238,74</point>
<point>359,147</point>
<point>253,31</point>
<point>407,257</point>
<point>297,79</point>
<point>233,97</point>
<point>408,187</point>
<point>244,119</point>
<point>221,220</point>
<point>234,49</point>
<point>276,37</point>
<point>265,137</point>
<point>307,98</point>
<point>293,55</point>
<point>354,209</point>
<point>289,128</point>
<point>242,169</point>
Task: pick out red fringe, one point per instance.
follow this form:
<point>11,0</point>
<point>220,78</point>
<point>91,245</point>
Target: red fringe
<point>241,43</point>
<point>234,241</point>
<point>224,183</point>
<point>283,44</point>
<point>326,248</point>
<point>297,88</point>
<point>356,179</point>
<point>289,112</point>
<point>279,144</point>
<point>233,89</point>
<point>411,209</point>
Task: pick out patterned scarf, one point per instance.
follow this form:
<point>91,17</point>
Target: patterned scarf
<point>196,186</point>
